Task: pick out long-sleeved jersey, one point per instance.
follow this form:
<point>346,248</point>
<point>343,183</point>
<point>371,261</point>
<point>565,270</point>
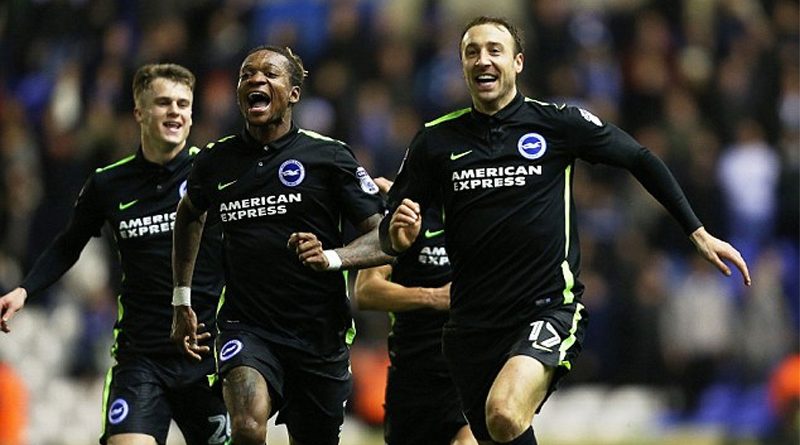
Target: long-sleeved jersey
<point>505,182</point>
<point>138,199</point>
<point>301,182</point>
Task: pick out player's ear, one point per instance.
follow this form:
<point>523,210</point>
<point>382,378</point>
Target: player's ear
<point>294,95</point>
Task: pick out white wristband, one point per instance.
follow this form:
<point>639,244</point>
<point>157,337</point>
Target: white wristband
<point>334,260</point>
<point>182,296</point>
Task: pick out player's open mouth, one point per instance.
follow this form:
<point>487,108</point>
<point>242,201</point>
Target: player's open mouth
<point>173,125</point>
<point>258,101</point>
<point>485,81</point>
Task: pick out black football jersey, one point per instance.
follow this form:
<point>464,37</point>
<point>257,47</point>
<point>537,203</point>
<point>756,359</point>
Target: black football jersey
<point>506,187</point>
<point>138,199</point>
<point>301,182</point>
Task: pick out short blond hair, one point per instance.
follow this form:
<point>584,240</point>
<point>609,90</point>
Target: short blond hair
<point>148,73</point>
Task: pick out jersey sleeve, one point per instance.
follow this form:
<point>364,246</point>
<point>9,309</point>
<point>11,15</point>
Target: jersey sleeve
<point>357,192</point>
<point>414,181</point>
<point>599,142</point>
<point>87,220</point>
<point>197,184</point>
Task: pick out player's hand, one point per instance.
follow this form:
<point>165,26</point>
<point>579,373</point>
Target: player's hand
<point>440,298</point>
<point>715,251</point>
<point>186,333</point>
<point>10,304</point>
<point>405,225</point>
<point>308,249</point>
<point>383,184</point>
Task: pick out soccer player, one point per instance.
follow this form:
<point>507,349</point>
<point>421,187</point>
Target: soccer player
<point>284,329</point>
<point>422,404</point>
<point>151,382</point>
<point>503,171</point>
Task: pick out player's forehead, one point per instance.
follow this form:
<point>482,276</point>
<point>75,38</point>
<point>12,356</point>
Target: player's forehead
<point>168,88</point>
<point>263,59</point>
<point>486,34</point>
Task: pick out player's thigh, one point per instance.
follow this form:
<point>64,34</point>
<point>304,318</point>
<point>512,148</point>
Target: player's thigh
<point>131,439</point>
<point>135,402</point>
<point>252,376</point>
<point>519,388</point>
<point>551,342</point>
<point>246,394</point>
<point>201,415</point>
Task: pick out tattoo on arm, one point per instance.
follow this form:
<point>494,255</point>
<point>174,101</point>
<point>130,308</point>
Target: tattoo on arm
<point>364,251</point>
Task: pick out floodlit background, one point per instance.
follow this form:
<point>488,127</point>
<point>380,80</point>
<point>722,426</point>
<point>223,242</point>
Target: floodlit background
<point>675,352</point>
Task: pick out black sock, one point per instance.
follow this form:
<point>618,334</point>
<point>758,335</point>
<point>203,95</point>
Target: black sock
<point>526,438</point>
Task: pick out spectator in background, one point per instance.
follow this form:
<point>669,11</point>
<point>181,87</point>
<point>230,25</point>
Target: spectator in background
<point>748,172</point>
<point>696,327</point>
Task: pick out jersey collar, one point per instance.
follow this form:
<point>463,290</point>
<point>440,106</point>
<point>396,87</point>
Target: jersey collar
<point>277,144</point>
<point>171,166</point>
<point>503,114</point>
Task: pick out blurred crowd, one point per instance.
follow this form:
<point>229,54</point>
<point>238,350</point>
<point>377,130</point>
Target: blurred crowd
<point>710,86</point>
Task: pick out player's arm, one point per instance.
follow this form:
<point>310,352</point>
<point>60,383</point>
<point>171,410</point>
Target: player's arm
<point>51,265</point>
<point>59,256</point>
<point>375,291</point>
<point>187,233</point>
<point>608,144</point>
<point>361,205</point>
<point>364,251</point>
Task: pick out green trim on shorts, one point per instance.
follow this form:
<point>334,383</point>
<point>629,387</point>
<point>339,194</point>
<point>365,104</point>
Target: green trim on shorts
<point>570,341</point>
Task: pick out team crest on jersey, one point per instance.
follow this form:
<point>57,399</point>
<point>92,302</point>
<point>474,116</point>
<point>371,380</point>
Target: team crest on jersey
<point>532,146</point>
<point>366,182</point>
<point>182,189</point>
<point>118,411</point>
<point>229,349</point>
<point>590,117</point>
<point>291,173</point>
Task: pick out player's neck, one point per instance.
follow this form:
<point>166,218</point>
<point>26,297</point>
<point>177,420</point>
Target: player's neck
<point>273,131</point>
<point>160,154</point>
<point>492,107</point>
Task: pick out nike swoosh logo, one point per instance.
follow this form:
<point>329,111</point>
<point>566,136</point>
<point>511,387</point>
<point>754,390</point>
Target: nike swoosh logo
<point>540,347</point>
<point>433,234</point>
<point>454,156</point>
<point>125,205</point>
<point>222,186</point>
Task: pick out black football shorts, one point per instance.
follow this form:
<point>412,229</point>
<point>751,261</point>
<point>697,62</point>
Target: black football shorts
<point>143,393</point>
<point>308,392</point>
<point>476,356</point>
